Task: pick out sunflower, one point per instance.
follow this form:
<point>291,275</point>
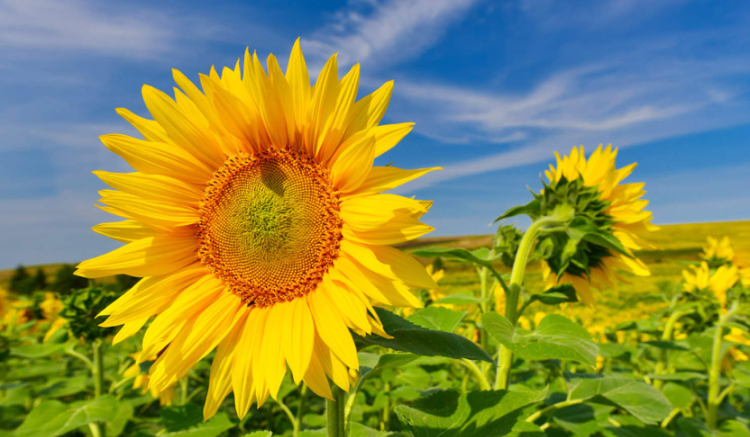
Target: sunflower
<point>256,220</point>
<point>618,210</point>
<point>718,251</point>
<point>700,278</point>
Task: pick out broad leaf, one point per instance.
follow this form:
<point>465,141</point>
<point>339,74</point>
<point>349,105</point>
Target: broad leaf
<point>438,318</point>
<point>38,350</point>
<point>556,337</point>
<point>556,295</point>
<point>479,414</point>
<point>53,418</point>
<point>741,374</point>
<point>583,420</point>
<point>460,298</point>
<point>679,395</point>
<point>408,337</point>
<point>636,397</point>
<point>210,428</point>
<point>59,387</point>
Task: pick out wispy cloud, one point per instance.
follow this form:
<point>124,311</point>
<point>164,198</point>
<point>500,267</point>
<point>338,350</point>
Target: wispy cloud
<point>83,26</point>
<point>385,31</point>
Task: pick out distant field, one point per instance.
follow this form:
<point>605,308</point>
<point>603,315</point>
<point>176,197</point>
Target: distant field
<point>677,242</point>
<point>635,300</point>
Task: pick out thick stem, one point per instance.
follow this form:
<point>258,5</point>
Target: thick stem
<point>98,367</point>
<point>514,290</point>
<point>335,413</point>
<point>714,399</point>
<point>664,354</point>
<point>97,430</point>
<point>713,379</point>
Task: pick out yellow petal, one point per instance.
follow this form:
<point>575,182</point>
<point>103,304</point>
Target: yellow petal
<point>181,129</point>
<point>351,168</point>
<point>151,256</point>
<point>153,187</point>
<point>220,379</point>
<point>158,158</point>
<point>386,178</point>
<point>332,329</point>
<point>124,231</point>
<point>391,263</point>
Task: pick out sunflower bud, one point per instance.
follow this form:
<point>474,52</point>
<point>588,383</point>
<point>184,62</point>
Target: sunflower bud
<point>81,308</point>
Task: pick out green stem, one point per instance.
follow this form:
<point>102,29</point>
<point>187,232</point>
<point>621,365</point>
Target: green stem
<point>514,290</point>
<point>288,412</point>
<point>553,407</point>
<point>98,372</point>
<point>183,391</point>
<point>483,335</point>
<point>335,413</point>
<point>714,372</point>
<point>669,418</point>
<point>301,406</point>
<point>72,352</point>
<point>476,372</point>
<point>667,336</point>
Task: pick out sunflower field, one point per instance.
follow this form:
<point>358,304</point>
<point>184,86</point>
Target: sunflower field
<point>270,285</point>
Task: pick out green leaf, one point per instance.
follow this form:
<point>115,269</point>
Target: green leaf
<point>679,376</point>
<point>583,420</point>
<point>259,434</point>
<point>117,423</point>
<point>741,374</point>
<point>632,427</point>
<point>181,417</point>
<point>556,337</point>
<point>454,253</point>
<point>53,418</point>
<point>460,298</point>
<point>636,397</point>
<point>479,414</point>
<point>408,337</point>
<point>373,362</point>
<point>438,318</point>
<point>668,345</point>
<point>679,396</point>
<point>36,370</point>
<point>210,428</point>
<point>359,430</point>
<point>59,387</point>
<point>531,209</point>
<point>556,295</point>
<point>38,350</point>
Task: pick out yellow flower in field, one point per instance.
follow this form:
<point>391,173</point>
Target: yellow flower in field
<point>622,214</point>
<point>256,220</point>
<point>18,312</point>
<point>699,278</point>
<point>166,397</point>
<point>719,250</point>
<point>50,306</point>
<point>4,303</point>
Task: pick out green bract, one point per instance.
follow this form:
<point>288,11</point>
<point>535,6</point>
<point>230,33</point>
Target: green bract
<point>81,310</point>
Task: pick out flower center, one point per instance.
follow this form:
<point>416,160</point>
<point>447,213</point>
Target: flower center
<point>270,226</point>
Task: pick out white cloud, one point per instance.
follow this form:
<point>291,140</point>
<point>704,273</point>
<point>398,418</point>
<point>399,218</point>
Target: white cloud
<point>384,32</point>
<point>79,25</point>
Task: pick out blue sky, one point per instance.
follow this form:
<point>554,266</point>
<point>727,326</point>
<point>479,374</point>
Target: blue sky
<point>494,87</point>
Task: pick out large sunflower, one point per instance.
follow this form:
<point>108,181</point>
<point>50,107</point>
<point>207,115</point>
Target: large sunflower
<point>255,219</point>
<point>619,210</point>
